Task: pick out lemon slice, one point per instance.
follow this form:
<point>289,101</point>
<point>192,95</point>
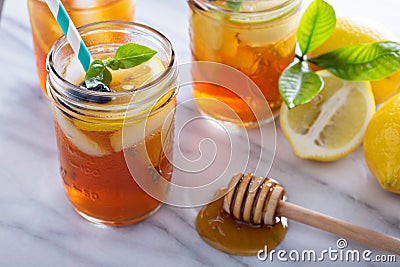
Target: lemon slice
<point>98,125</point>
<point>254,6</point>
<point>123,80</point>
<point>333,124</point>
<point>133,78</point>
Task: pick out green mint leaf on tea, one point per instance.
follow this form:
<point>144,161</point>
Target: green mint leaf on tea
<point>316,25</point>
<point>234,5</point>
<point>298,85</point>
<point>131,55</point>
<point>127,56</point>
<point>97,73</point>
<point>362,62</point>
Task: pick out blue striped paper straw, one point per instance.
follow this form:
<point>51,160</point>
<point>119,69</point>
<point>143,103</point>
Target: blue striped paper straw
<point>70,31</point>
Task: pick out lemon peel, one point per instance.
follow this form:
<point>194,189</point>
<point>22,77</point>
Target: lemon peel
<point>382,145</point>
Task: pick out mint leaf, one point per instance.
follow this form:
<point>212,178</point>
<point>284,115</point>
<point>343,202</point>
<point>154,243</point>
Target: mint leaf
<point>362,62</point>
<point>97,73</point>
<point>234,5</point>
<point>316,25</point>
<point>298,85</point>
<point>131,55</point>
<point>95,69</point>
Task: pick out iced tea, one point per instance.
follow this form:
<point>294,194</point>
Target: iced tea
<point>107,140</point>
<point>258,39</point>
<point>45,30</point>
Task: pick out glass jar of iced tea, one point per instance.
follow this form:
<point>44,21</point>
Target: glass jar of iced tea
<point>257,38</point>
<point>45,30</point>
<point>109,140</point>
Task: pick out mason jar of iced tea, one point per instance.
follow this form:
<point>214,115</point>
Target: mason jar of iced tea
<point>257,38</point>
<point>45,30</point>
<point>108,141</point>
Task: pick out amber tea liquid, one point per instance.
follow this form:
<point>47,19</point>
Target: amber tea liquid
<point>99,183</point>
<point>113,144</point>
<point>259,42</point>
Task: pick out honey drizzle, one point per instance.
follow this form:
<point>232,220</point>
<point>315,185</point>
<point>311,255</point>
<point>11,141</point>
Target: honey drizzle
<point>221,231</point>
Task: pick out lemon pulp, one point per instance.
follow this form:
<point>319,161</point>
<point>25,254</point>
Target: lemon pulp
<point>333,124</point>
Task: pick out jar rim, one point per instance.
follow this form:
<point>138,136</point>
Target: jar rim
<point>209,5</point>
<point>87,28</point>
<point>75,99</point>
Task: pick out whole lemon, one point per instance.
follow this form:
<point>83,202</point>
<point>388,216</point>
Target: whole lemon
<point>355,31</point>
<point>382,145</point>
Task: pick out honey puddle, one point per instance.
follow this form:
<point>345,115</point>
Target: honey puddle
<point>223,232</point>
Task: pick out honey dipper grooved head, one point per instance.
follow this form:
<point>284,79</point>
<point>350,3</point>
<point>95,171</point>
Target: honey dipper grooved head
<point>253,199</point>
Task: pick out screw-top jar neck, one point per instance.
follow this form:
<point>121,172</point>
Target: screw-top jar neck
<point>103,39</point>
<point>249,11</point>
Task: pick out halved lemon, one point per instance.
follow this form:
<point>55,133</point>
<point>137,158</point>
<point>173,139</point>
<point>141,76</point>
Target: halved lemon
<point>333,124</point>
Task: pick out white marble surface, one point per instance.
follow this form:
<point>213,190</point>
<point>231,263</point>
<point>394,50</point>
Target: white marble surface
<point>38,227</point>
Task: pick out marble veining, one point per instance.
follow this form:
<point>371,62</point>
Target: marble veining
<point>38,226</point>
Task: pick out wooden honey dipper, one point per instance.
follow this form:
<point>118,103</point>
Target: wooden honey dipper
<point>259,201</point>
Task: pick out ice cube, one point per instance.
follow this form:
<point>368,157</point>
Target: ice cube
<point>259,37</point>
<point>208,31</point>
<point>78,138</point>
<point>74,72</point>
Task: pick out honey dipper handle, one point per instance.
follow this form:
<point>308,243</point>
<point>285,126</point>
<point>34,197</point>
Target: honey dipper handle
<point>339,227</point>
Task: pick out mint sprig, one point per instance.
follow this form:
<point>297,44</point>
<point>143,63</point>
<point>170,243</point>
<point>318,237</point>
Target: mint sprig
<point>363,62</point>
<point>127,56</point>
